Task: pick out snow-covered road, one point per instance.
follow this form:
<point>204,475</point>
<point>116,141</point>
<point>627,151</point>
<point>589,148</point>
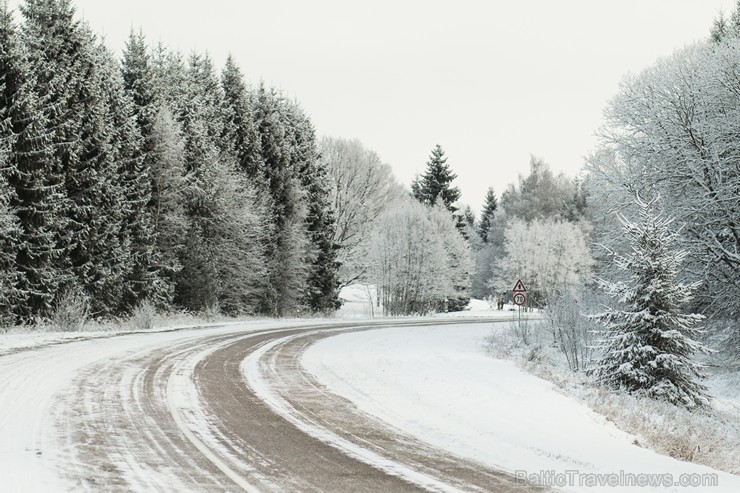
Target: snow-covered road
<point>118,413</point>
<point>436,383</point>
<point>246,407</point>
<point>72,416</point>
<point>172,411</point>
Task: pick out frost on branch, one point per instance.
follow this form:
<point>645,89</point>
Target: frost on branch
<point>647,342</point>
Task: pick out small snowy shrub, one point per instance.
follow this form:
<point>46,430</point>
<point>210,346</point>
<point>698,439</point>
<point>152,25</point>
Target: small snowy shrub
<point>525,331</point>
<point>71,311</point>
<point>572,331</point>
<point>212,311</point>
<point>143,316</point>
<point>712,438</point>
<point>498,343</point>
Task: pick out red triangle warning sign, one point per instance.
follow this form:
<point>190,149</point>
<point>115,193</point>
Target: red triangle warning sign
<point>519,287</point>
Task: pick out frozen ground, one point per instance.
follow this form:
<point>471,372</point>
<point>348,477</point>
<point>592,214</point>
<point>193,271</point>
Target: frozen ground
<point>436,383</point>
<point>431,382</point>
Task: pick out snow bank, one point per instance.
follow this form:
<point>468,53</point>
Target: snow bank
<point>437,384</point>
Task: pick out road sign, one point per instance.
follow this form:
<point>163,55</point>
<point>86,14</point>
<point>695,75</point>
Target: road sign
<point>519,287</point>
<point>520,299</point>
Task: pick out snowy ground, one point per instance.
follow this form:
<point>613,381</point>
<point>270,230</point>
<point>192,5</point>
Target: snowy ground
<point>358,302</point>
<point>437,384</point>
<point>37,384</point>
<point>432,382</point>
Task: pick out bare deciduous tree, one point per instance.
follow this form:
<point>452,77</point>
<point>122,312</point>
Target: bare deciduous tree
<point>550,256</point>
<point>417,258</point>
<point>673,130</point>
<point>362,188</point>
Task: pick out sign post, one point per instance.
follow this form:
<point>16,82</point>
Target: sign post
<point>520,293</point>
<point>520,296</point>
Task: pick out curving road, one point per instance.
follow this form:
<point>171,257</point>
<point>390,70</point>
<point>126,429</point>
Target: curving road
<point>221,409</point>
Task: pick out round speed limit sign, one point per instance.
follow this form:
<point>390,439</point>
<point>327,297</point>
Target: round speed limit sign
<point>520,299</point>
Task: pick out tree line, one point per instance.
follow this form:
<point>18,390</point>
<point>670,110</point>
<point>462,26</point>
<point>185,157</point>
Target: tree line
<point>152,178</point>
<point>670,143</point>
<point>411,246</point>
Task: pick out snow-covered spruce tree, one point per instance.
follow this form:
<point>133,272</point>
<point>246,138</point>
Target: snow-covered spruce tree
<point>170,78</point>
<point>9,232</point>
<point>222,259</point>
<point>139,83</point>
<point>84,146</point>
<point>163,147</point>
<point>435,186</point>
<point>436,182</point>
<point>144,279</point>
<point>36,179</point>
<point>9,295</point>
<point>322,293</point>
<point>240,131</point>
<point>151,276</point>
<point>490,204</point>
<point>647,345</point>
<point>288,247</point>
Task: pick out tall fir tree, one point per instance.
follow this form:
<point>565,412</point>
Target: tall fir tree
<point>69,80</point>
<point>490,204</point>
<point>36,179</point>
<point>647,343</point>
<point>322,290</point>
<point>157,85</point>
<point>170,78</point>
<point>435,185</point>
<point>197,282</point>
<point>152,276</point>
<point>288,244</point>
<point>9,231</point>
<point>223,259</point>
<point>143,280</point>
<point>240,131</point>
<point>9,234</point>
<point>139,83</point>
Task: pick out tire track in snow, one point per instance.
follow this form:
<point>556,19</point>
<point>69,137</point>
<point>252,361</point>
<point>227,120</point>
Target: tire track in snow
<point>171,412</point>
<point>126,438</point>
<point>277,375</point>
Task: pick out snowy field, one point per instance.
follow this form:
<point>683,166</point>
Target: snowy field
<point>438,384</point>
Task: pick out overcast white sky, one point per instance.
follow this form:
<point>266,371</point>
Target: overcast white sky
<point>490,81</point>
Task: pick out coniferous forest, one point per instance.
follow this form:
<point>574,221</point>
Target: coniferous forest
<point>154,178</point>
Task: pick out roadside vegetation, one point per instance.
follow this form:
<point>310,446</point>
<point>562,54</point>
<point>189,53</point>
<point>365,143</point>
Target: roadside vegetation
<point>710,437</point>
